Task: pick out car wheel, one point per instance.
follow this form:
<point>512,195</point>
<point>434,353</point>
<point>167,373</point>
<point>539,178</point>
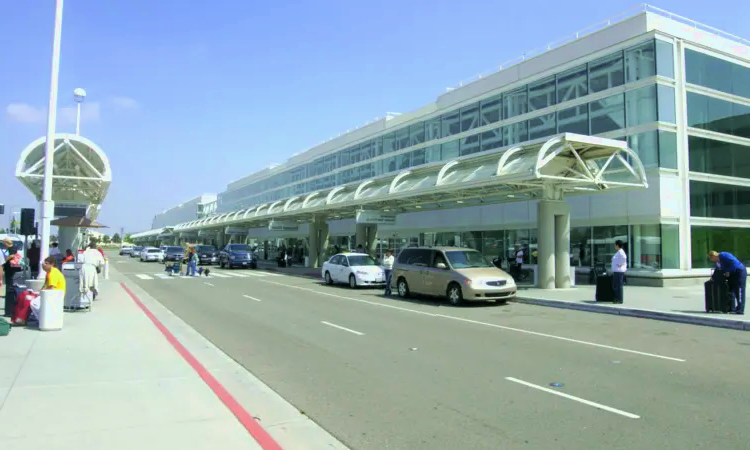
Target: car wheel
<point>403,288</point>
<point>352,282</point>
<point>328,278</point>
<point>454,294</point>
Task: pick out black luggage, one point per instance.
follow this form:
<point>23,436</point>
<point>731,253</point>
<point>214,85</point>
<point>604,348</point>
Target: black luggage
<point>718,297</point>
<point>604,291</point>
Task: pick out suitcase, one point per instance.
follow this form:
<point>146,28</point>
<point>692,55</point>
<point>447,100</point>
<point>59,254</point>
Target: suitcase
<point>717,296</point>
<point>604,291</point>
<point>23,307</point>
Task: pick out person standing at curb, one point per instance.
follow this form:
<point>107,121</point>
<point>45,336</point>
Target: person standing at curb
<point>736,272</point>
<point>619,267</point>
<point>388,260</point>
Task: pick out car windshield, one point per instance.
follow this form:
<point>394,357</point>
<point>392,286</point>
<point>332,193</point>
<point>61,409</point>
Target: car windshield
<point>205,248</point>
<point>153,250</point>
<point>464,259</point>
<point>175,250</point>
<point>238,248</point>
<point>362,260</point>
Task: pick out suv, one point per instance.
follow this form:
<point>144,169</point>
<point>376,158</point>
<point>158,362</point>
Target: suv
<point>460,274</point>
<point>237,255</point>
<point>207,254</point>
<point>126,250</point>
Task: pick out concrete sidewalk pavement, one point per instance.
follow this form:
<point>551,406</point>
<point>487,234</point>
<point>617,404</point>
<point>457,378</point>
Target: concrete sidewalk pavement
<point>133,375</point>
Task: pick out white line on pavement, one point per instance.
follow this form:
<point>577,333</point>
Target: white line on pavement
<point>207,283</point>
<point>253,274</point>
<point>341,328</point>
<point>218,275</point>
<point>143,276</point>
<point>163,276</point>
<point>577,399</point>
<point>251,298</point>
<point>238,275</point>
<point>476,322</point>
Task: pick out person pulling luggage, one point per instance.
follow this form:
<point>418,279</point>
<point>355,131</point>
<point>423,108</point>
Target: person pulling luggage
<point>736,273</point>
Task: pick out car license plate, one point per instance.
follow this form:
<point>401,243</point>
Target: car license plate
<point>244,263</point>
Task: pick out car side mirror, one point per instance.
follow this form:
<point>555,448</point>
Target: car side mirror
<point>441,266</point>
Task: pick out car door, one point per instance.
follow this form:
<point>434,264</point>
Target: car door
<point>332,266</point>
<point>342,273</point>
<point>436,280</point>
<point>419,260</point>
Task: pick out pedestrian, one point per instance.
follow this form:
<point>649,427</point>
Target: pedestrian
<point>736,272</point>
<point>34,256</point>
<point>7,255</point>
<point>619,267</point>
<point>93,262</point>
<point>360,249</point>
<point>388,261</point>
<point>54,280</point>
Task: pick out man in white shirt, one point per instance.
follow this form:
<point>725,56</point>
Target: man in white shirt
<point>619,267</point>
<point>388,261</point>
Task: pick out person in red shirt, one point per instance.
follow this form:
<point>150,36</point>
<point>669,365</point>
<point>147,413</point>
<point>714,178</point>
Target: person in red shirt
<point>68,256</point>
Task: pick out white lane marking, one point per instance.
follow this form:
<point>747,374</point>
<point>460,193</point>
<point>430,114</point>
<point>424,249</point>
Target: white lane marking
<point>251,298</point>
<point>218,275</point>
<point>238,275</point>
<point>476,322</point>
<point>576,399</point>
<point>341,328</point>
<point>253,274</point>
<point>207,283</point>
<point>163,276</point>
<point>143,276</point>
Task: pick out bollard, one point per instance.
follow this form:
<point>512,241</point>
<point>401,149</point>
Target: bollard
<point>51,310</point>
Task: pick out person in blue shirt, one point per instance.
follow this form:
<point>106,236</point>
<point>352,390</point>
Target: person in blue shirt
<point>737,274</point>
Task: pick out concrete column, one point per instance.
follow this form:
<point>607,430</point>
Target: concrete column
<point>546,243</point>
<point>68,238</point>
<point>318,241</point>
<point>562,246</point>
<point>366,235</point>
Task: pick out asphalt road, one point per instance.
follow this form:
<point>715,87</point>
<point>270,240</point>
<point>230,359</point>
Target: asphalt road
<point>383,373</point>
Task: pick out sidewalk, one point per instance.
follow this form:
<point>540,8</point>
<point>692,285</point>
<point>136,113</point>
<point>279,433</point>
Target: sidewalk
<point>117,378</point>
<point>676,304</point>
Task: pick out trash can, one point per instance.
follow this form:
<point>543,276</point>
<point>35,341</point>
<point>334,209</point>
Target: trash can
<point>51,310</point>
<point>74,300</point>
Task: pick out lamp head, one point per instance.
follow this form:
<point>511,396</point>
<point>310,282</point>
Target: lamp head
<point>79,94</point>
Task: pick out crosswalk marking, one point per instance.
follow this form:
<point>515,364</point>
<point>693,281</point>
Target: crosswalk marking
<point>218,275</point>
<point>213,274</point>
<point>143,276</point>
<point>260,274</point>
<point>163,276</point>
<point>238,275</point>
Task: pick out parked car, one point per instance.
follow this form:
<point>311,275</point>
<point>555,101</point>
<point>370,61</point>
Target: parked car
<point>237,255</point>
<point>207,254</point>
<point>460,274</point>
<point>173,253</point>
<point>136,252</point>
<point>356,269</point>
<point>150,254</point>
<point>126,249</point>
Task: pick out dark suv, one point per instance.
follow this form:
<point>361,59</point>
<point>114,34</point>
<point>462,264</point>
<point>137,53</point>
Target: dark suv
<point>174,253</point>
<point>237,255</point>
<point>207,254</point>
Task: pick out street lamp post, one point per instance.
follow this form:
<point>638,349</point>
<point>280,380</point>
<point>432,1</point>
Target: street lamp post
<point>79,95</point>
<point>48,206</point>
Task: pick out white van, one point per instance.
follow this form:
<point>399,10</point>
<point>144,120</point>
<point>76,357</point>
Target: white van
<point>126,249</point>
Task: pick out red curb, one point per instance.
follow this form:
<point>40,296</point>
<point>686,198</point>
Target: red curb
<point>257,432</point>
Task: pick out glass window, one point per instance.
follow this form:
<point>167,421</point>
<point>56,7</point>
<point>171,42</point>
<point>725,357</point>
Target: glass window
<point>491,110</point>
<point>607,114</point>
<point>606,73</point>
<point>542,126</point>
<point>604,242</point>
<point>573,120</point>
<point>515,103</point>
<point>542,94</point>
<point>432,129</point>
<point>451,124</point>
<point>667,108</point>
<point>572,83</point>
<point>389,164</point>
<point>720,239</point>
<point>664,58</point>
<point>418,157</point>
<point>404,161</point>
<point>354,154</point>
<point>515,133</point>
<point>449,150</point>
<point>366,171</point>
<point>719,200</point>
<point>519,240</point>
<point>469,117</point>
<point>667,149</point>
<point>718,157</point>
<point>402,138</point>
<point>670,247</point>
<point>645,145</point>
<point>640,106</point>
<point>492,139</point>
<point>580,246</point>
<point>432,153</point>
<point>640,62</point>
<point>365,150</point>
<point>718,115</point>
<point>416,133</point>
<point>469,145</point>
<point>715,73</point>
<point>377,147</point>
<point>645,248</point>
<point>389,143</point>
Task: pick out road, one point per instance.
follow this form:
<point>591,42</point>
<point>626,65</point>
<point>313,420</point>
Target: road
<point>384,373</point>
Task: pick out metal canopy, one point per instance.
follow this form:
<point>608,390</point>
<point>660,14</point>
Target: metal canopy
<point>81,171</point>
<point>566,164</point>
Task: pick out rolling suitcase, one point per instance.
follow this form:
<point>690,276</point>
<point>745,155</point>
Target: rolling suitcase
<point>604,291</point>
<point>717,296</point>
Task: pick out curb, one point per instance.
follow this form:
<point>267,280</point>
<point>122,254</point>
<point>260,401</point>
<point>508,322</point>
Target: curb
<point>714,322</point>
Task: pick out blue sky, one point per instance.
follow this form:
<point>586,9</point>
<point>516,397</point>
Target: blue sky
<point>185,97</point>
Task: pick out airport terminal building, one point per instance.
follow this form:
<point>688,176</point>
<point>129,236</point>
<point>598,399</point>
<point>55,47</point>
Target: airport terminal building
<point>677,92</point>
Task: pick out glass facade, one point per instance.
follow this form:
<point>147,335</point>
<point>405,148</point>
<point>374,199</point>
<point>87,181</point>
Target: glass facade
<point>716,200</point>
<point>715,73</point>
<point>717,115</point>
<point>706,239</point>
<point>598,116</point>
<point>719,157</point>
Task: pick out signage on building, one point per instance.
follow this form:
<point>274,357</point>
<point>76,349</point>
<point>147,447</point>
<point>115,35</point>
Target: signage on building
<point>206,233</point>
<point>280,225</point>
<point>70,209</point>
<point>235,230</point>
<point>375,218</point>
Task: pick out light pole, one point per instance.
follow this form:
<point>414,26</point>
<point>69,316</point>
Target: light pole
<point>79,95</point>
<point>48,206</point>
